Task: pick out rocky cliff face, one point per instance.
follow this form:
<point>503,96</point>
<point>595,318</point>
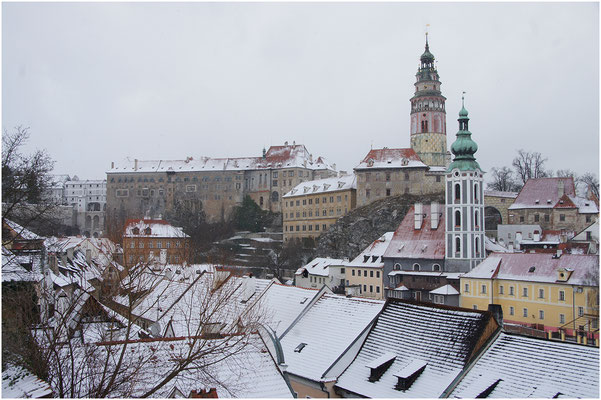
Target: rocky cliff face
<point>359,228</point>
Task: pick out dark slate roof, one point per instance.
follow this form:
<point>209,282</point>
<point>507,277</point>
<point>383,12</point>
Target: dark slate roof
<point>441,337</point>
<point>543,193</point>
<point>528,367</point>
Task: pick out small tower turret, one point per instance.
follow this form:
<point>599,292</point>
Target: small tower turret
<point>464,202</point>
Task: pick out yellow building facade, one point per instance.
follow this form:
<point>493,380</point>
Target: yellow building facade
<point>540,291</point>
<point>313,206</point>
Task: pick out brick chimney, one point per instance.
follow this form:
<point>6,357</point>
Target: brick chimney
<point>435,216</point>
<point>418,216</point>
<point>560,187</point>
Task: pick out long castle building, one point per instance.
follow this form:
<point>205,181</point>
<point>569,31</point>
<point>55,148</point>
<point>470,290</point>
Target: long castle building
<point>153,188</point>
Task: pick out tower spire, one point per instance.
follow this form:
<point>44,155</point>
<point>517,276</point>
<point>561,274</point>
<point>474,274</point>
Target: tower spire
<point>464,147</point>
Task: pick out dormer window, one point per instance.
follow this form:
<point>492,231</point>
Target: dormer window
<point>531,269</point>
<point>370,162</point>
<point>404,161</point>
<point>136,231</point>
<point>408,374</point>
<point>536,201</point>
<point>365,259</point>
<point>147,231</point>
<point>379,366</point>
<point>374,259</point>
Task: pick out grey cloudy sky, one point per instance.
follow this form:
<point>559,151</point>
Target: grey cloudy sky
<point>97,82</point>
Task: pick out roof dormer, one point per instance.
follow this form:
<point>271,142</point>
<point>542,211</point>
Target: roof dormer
<point>563,274</point>
<point>409,373</point>
<point>379,366</point>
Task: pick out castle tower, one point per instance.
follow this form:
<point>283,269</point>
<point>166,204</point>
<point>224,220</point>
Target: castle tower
<point>464,203</point>
<point>428,115</point>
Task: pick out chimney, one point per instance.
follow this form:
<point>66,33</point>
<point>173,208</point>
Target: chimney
<point>418,215</point>
<point>434,215</point>
<point>135,164</point>
<point>536,236</point>
<point>286,143</point>
<point>88,256</point>
<point>112,164</point>
<point>497,313</point>
<point>560,187</point>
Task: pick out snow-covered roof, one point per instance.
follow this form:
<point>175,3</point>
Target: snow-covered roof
<point>440,338</point>
<point>17,382</point>
<point>320,266</point>
<point>538,267</point>
<point>288,156</point>
<point>23,232</point>
<point>12,271</point>
<point>158,228</point>
<point>371,256</point>
<point>321,186</point>
<point>498,193</point>
<point>543,193</point>
<point>523,367</point>
<point>585,206</point>
<point>86,182</point>
<point>446,290</point>
<point>282,304</point>
<point>425,243</point>
<point>390,158</point>
<point>489,245</point>
<point>327,329</point>
<point>237,366</point>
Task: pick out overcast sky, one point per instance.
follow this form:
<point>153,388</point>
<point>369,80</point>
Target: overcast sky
<point>100,82</point>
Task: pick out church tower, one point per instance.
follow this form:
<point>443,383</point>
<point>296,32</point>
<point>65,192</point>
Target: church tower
<point>428,115</point>
<point>464,203</point>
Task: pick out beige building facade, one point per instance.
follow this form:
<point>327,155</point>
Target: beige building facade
<point>313,206</point>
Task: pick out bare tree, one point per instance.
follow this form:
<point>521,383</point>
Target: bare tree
<point>591,183</point>
<point>529,165</point>
<point>87,349</point>
<point>502,180</point>
<point>26,182</point>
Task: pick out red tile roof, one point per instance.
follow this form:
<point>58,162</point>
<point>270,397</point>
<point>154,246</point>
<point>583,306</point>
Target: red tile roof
<point>428,243</point>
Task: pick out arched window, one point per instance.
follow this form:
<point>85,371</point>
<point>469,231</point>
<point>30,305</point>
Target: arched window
<point>457,219</point>
<point>397,266</point>
<point>476,193</point>
<point>477,247</point>
<point>457,193</point>
<point>275,197</point>
<point>436,267</point>
<point>457,245</point>
<point>477,219</point>
<point>416,267</point>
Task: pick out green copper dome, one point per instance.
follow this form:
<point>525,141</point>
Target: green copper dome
<point>464,147</point>
<point>427,57</point>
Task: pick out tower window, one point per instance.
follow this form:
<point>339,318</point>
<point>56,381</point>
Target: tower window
<point>424,126</point>
<point>457,219</point>
<point>457,193</point>
<point>457,245</point>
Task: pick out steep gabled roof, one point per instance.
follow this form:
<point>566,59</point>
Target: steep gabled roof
<point>391,158</point>
<point>371,256</point>
<point>327,330</point>
<point>425,242</point>
<point>319,266</point>
<point>543,193</point>
<point>441,338</point>
<point>321,186</point>
<point>538,267</point>
<point>522,367</point>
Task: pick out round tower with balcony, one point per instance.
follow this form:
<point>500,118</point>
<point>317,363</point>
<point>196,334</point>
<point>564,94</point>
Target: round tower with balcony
<point>464,203</point>
<point>428,115</point>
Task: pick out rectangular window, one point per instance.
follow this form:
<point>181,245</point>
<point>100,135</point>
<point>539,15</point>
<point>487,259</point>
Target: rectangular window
<point>562,217</point>
<point>562,318</point>
<point>168,245</point>
<point>525,292</point>
<point>546,217</point>
<point>324,227</point>
<point>371,274</point>
<point>511,292</point>
<point>511,311</point>
<point>580,311</point>
<point>562,295</point>
<point>541,293</point>
<point>475,307</point>
<point>190,188</point>
<point>353,272</point>
<point>371,288</point>
<point>365,273</point>
<point>377,289</point>
<point>536,217</point>
<point>141,245</point>
<point>525,312</point>
<point>377,274</point>
<point>150,245</point>
<point>159,244</point>
<point>483,289</point>
<point>387,192</point>
<point>541,314</point>
<point>467,288</point>
<point>501,289</point>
